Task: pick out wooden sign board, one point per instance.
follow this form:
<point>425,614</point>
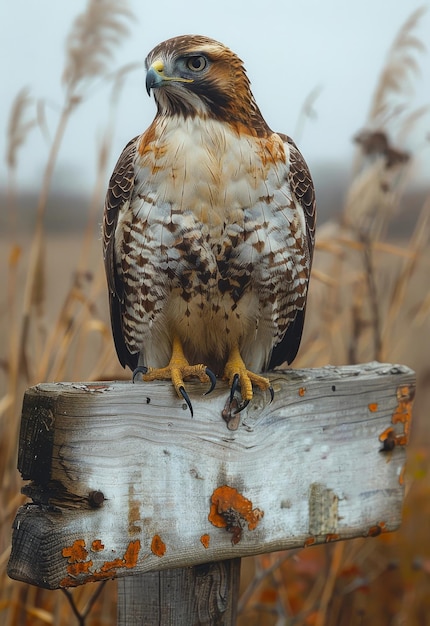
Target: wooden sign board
<point>124,480</point>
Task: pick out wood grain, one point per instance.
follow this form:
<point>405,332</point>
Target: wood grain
<point>125,481</point>
<point>203,595</point>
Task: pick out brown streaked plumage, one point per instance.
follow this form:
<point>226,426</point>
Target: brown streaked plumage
<point>208,228</point>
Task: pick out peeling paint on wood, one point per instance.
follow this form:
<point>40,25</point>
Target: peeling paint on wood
<point>323,510</point>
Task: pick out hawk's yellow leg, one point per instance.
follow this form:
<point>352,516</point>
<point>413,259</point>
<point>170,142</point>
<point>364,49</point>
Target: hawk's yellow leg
<point>178,369</point>
<point>236,373</point>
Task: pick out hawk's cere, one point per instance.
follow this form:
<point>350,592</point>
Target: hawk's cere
<point>208,229</point>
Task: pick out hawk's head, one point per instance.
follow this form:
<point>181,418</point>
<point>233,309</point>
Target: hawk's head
<point>194,75</point>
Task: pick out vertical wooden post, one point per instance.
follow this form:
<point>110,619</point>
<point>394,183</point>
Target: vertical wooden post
<point>124,484</point>
<point>202,595</point>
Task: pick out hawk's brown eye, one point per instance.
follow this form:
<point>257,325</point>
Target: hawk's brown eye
<point>196,64</point>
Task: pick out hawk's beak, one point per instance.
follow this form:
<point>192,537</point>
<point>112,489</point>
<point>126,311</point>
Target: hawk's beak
<point>155,77</point>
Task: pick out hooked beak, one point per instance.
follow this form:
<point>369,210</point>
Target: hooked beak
<point>155,77</point>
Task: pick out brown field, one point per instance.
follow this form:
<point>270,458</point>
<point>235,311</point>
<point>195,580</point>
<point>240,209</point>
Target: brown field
<point>369,300</point>
<point>372,581</point>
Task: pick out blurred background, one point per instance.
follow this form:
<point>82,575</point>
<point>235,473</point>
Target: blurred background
<point>350,82</point>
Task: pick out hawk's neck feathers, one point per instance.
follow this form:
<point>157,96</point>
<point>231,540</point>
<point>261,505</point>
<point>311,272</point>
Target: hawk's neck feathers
<point>223,92</point>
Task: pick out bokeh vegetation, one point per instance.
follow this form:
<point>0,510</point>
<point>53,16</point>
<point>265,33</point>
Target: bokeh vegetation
<point>369,300</point>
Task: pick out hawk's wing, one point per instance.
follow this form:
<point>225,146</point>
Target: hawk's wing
<point>303,191</point>
<point>119,193</point>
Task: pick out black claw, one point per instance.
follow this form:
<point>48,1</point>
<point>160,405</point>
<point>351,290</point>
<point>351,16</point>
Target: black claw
<point>234,386</point>
<point>141,369</point>
<point>186,397</point>
<point>241,407</point>
<point>272,394</point>
<point>212,377</point>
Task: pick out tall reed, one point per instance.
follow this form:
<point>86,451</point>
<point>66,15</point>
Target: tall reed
<point>46,337</point>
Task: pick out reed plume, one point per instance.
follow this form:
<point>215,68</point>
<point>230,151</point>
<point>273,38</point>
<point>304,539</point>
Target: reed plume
<point>92,41</point>
<point>19,126</point>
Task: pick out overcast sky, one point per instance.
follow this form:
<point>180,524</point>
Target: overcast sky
<point>289,49</point>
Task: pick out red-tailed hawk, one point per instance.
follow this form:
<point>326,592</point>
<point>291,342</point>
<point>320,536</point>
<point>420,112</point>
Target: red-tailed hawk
<point>208,229</point>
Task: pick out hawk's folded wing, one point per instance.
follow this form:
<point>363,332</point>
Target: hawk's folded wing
<point>303,192</point>
<point>119,194</point>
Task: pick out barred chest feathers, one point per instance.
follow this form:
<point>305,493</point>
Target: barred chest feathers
<point>211,244</point>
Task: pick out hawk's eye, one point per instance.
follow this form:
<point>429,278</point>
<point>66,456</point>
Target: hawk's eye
<point>196,64</point>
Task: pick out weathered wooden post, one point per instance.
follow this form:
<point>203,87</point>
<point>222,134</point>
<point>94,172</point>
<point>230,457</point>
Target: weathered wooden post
<point>124,484</point>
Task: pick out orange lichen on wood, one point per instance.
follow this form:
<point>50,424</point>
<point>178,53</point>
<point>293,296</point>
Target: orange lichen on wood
<point>380,527</point>
<point>204,540</point>
<point>132,553</point>
<point>373,407</point>
<point>129,559</point>
<point>230,509</point>
<point>82,567</point>
<point>225,499</point>
<point>97,546</point>
<point>403,411</point>
<point>76,552</point>
<point>302,391</point>
<point>402,414</point>
<point>133,512</point>
<point>402,475</point>
<point>331,537</point>
<point>388,438</point>
<point>108,566</point>
<point>405,397</point>
<point>158,547</point>
<point>309,542</point>
<point>79,569</point>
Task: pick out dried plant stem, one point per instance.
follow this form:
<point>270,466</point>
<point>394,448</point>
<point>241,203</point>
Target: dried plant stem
<point>307,112</point>
<point>417,245</point>
<point>330,583</point>
<point>82,615</point>
<point>259,578</point>
<point>357,325</point>
<point>311,600</point>
<point>75,610</point>
<point>104,151</point>
<point>13,344</point>
<point>373,297</point>
<point>34,287</point>
<point>12,204</point>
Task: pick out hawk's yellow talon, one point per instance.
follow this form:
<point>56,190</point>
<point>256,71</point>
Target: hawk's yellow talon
<point>236,373</point>
<point>179,369</point>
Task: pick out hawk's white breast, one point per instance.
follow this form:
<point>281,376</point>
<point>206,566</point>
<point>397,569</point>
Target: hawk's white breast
<point>205,194</point>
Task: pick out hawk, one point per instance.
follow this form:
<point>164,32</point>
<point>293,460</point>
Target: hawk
<point>208,229</point>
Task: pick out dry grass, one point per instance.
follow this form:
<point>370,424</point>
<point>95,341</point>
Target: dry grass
<point>367,301</point>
